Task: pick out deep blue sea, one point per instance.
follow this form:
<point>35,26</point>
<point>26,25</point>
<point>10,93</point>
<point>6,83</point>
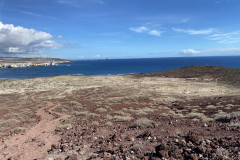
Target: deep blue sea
<point>117,66</point>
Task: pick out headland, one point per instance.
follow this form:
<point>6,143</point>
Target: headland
<point>30,62</point>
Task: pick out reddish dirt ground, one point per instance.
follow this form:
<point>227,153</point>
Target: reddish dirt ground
<point>35,141</point>
<point>119,117</point>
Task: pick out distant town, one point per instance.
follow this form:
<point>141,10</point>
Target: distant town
<point>30,62</point>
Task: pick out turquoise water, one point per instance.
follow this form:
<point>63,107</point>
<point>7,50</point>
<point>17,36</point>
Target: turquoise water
<point>117,66</point>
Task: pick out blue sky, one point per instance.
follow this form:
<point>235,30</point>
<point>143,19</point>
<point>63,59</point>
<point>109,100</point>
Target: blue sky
<point>90,29</point>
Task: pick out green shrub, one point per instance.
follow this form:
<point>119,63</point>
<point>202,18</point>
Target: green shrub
<point>101,110</point>
<point>9,121</point>
<point>122,118</point>
<point>65,126</point>
<point>95,123</point>
<point>18,130</point>
<point>109,123</point>
<point>144,123</point>
<point>203,117</point>
<point>226,117</point>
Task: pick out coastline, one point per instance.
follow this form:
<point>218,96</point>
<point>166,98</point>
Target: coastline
<point>30,62</point>
<point>62,116</point>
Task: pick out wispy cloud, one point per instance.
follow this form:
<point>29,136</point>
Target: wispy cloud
<point>165,19</point>
<point>226,38</point>
<point>211,52</point>
<point>214,34</point>
<point>28,13</point>
<point>37,15</point>
<point>80,3</point>
<point>140,29</point>
<point>146,30</point>
<point>155,33</point>
<point>222,1</point>
<point>192,31</point>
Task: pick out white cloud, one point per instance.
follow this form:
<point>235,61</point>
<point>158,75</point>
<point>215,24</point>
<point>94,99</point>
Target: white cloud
<point>25,41</point>
<point>190,51</point>
<point>211,52</point>
<point>37,15</point>
<point>226,38</point>
<point>14,50</point>
<point>192,31</point>
<point>140,29</point>
<point>146,30</point>
<point>214,34</point>
<point>155,32</point>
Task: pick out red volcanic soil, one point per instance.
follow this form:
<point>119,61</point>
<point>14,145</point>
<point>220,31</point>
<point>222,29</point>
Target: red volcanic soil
<point>143,116</point>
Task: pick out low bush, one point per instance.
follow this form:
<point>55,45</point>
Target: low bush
<point>226,117</point>
<point>65,126</point>
<point>144,123</point>
<point>122,118</point>
<point>101,110</point>
<point>18,130</point>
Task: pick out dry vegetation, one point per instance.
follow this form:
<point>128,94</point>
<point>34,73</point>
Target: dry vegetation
<point>127,117</point>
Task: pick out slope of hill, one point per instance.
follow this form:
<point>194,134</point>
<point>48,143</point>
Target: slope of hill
<point>220,74</point>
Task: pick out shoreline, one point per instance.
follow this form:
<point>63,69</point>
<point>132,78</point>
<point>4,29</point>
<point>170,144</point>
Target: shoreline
<point>218,74</point>
<point>61,116</point>
<point>31,62</point>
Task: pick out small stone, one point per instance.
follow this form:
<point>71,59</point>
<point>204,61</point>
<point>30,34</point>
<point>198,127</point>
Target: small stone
<point>208,141</point>
<point>71,157</point>
<point>130,138</point>
<point>163,153</point>
<point>116,137</point>
<point>53,146</point>
<point>194,157</point>
<point>193,137</point>
<point>205,125</point>
<point>34,140</point>
<point>213,156</point>
<point>201,149</point>
<point>93,156</point>
<point>190,144</point>
<point>105,154</point>
<point>64,148</point>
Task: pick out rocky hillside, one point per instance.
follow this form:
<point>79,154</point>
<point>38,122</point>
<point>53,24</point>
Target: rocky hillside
<point>220,74</point>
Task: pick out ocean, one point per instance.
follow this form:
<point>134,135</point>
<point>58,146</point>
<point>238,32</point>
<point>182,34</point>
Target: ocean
<point>117,66</point>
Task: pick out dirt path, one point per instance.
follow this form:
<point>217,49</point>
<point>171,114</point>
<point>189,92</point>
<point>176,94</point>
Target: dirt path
<point>35,142</point>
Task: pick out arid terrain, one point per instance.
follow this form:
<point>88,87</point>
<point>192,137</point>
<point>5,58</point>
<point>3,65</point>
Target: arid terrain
<point>187,113</point>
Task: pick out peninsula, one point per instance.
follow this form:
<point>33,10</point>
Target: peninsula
<point>30,62</point>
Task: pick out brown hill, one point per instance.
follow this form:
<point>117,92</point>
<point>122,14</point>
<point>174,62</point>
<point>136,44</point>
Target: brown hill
<point>225,75</point>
